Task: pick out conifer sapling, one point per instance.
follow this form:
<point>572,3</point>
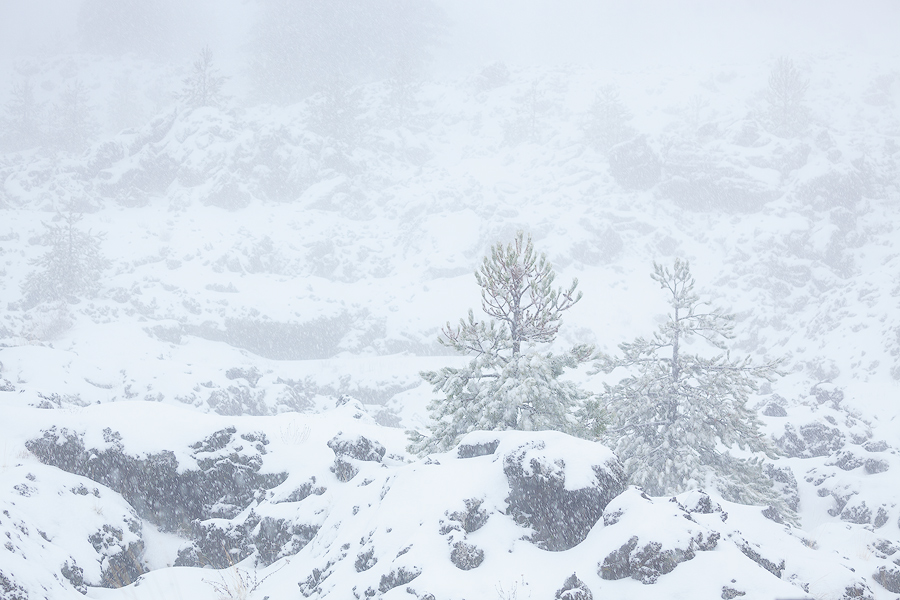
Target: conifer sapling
<point>510,383</point>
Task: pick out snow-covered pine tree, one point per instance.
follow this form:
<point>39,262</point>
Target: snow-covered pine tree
<point>510,383</point>
<point>674,418</point>
<point>70,268</point>
<point>204,86</point>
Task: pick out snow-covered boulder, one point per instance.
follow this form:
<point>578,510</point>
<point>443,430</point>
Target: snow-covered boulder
<point>558,485</point>
<point>220,479</point>
<point>100,543</point>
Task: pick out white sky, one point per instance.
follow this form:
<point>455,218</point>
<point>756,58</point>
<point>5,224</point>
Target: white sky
<point>603,33</point>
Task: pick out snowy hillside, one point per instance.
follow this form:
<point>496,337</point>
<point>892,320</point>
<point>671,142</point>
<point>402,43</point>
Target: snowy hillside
<point>220,410</point>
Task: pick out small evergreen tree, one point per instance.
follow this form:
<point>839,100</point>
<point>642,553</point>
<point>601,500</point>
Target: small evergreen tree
<point>607,120</point>
<point>21,121</point>
<point>335,111</point>
<point>787,114</point>
<point>526,125</point>
<point>674,416</point>
<point>70,268</point>
<point>72,120</point>
<point>509,384</point>
<point>204,86</point>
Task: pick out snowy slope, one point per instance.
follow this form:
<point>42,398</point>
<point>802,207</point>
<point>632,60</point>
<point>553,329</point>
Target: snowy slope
<point>263,266</point>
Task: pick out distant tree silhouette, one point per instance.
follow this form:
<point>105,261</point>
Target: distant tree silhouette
<point>203,87</point>
<point>786,113</point>
<point>72,121</point>
<point>70,268</point>
<point>607,120</point>
<point>21,120</point>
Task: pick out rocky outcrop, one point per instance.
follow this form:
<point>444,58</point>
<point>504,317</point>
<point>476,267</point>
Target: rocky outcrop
<point>349,450</point>
<point>811,440</point>
<point>540,498</point>
<point>225,481</point>
<point>574,589</point>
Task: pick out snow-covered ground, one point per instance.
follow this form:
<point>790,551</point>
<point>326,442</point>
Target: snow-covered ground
<point>284,285</point>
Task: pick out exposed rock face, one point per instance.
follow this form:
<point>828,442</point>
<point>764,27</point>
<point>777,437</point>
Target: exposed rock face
<point>643,556</point>
<point>357,447</point>
<point>477,449</point>
<point>888,578</point>
<point>398,577</point>
<point>774,410</point>
<point>847,461</point>
<point>48,518</point>
<point>786,484</point>
<point>11,590</point>
<point>226,481</point>
<point>496,490</point>
<point>874,465</point>
<point>574,589</point>
<point>642,562</point>
<point>470,520</point>
<point>121,559</point>
<point>752,552</point>
<point>813,439</point>
<point>634,165</point>
<point>350,449</point>
<point>540,498</point>
<point>857,513</point>
<point>466,556</point>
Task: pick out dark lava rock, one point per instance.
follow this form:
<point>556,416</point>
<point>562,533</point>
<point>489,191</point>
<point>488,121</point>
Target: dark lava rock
<point>634,165</point>
<point>344,470</point>
<point>538,497</point>
<point>827,392</point>
<point>466,556</point>
<point>785,483</point>
<point>847,461</point>
<point>648,561</point>
<point>474,450</point>
<point>874,465</point>
<point>227,479</point>
<point>753,554</point>
<point>74,574</point>
<point>121,562</point>
<point>471,519</point>
<point>813,439</point>
<point>10,590</point>
<point>358,447</point>
<point>879,446</point>
<point>857,591</point>
<point>857,513</point>
<point>574,589</point>
<point>365,560</point>
<point>885,547</point>
<point>397,577</point>
<point>774,410</point>
<point>221,544</point>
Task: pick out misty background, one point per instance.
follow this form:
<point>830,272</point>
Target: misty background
<point>460,35</point>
